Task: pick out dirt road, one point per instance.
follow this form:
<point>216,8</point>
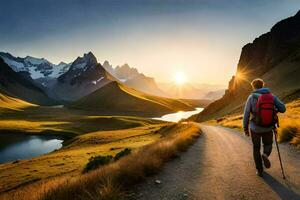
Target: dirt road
<point>220,166</point>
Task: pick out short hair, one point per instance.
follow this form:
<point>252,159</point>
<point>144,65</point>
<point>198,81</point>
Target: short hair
<point>257,83</point>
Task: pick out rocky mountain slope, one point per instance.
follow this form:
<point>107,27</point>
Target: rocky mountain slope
<point>36,67</point>
<point>84,76</point>
<point>116,98</point>
<point>275,57</point>
<point>20,85</point>
<point>125,72</point>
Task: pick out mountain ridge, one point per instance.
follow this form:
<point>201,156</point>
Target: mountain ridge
<point>275,57</point>
<point>37,67</point>
<point>117,98</point>
<point>84,76</point>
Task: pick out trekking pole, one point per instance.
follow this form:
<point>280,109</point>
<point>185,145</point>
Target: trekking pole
<point>275,133</point>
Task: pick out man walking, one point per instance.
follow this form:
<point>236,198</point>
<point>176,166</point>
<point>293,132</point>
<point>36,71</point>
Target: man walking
<point>262,105</point>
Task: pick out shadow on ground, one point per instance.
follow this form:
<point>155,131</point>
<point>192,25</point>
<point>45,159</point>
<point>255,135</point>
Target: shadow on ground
<point>282,190</point>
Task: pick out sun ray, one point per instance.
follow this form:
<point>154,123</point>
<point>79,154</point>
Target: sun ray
<point>180,78</point>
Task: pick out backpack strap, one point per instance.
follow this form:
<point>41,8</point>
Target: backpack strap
<point>254,96</point>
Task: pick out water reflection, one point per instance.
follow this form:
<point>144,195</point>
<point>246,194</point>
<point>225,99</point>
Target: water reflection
<point>21,146</point>
<point>175,117</point>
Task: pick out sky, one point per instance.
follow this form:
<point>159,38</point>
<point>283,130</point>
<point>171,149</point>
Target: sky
<point>200,38</point>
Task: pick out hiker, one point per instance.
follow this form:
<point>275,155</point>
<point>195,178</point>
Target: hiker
<point>263,106</point>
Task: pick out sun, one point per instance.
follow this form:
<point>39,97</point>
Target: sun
<point>180,78</point>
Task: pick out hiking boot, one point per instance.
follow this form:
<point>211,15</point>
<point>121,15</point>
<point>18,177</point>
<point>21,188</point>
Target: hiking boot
<point>266,160</point>
<point>259,173</point>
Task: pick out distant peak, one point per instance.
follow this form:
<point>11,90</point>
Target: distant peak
<point>62,63</point>
<point>30,57</point>
<point>82,63</point>
<point>87,57</point>
<point>89,54</point>
<point>107,64</point>
<point>125,65</point>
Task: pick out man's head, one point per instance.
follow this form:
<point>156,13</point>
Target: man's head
<point>257,84</point>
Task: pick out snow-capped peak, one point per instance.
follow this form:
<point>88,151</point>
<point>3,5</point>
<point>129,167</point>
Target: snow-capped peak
<point>36,67</point>
<point>35,61</point>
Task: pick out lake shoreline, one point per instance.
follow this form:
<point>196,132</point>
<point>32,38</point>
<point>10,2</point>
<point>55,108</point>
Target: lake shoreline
<point>18,145</point>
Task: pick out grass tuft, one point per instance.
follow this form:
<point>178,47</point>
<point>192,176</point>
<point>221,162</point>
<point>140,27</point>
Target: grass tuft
<point>97,161</point>
<point>122,153</point>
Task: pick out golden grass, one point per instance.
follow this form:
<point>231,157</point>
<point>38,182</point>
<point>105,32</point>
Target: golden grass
<point>115,98</point>
<point>31,126</point>
<point>289,130</point>
<point>9,103</point>
<point>75,154</point>
<point>112,181</point>
<point>40,120</point>
<point>232,121</point>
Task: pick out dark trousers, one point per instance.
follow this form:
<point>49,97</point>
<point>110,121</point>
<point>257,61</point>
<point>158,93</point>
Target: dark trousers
<point>267,140</point>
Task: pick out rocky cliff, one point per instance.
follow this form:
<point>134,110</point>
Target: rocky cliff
<point>275,57</point>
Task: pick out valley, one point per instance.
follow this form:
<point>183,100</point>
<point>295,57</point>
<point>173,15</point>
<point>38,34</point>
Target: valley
<point>54,118</point>
<point>77,127</point>
<point>84,134</point>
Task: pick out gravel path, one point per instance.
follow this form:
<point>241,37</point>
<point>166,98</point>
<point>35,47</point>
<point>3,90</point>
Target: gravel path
<point>220,166</point>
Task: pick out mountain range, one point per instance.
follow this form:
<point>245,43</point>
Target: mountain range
<point>37,67</point>
<point>83,84</point>
<point>131,77</point>
<point>274,57</point>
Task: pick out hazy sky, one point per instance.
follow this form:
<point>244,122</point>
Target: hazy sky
<point>202,38</point>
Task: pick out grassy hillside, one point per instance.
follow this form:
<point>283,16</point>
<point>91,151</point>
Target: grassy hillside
<point>57,172</point>
<point>118,99</point>
<point>289,130</point>
<point>64,121</point>
<point>87,134</point>
<point>72,157</point>
<point>9,103</point>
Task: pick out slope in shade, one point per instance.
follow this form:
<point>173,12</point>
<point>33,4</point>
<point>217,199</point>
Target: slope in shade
<point>118,99</point>
<point>21,86</point>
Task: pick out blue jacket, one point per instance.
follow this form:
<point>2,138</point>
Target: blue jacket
<point>250,109</point>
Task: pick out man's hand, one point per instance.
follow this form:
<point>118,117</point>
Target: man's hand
<point>247,133</point>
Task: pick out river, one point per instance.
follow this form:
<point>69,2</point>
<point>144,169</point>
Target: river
<point>17,146</point>
<point>175,117</point>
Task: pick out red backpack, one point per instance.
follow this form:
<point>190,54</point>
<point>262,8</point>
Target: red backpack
<point>265,110</point>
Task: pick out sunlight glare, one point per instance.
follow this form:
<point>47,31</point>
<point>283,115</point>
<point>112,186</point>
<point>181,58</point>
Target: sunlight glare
<point>180,78</point>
